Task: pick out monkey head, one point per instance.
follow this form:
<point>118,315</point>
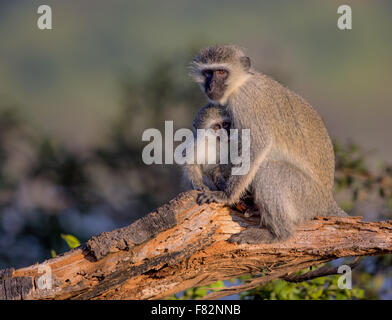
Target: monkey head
<point>216,125</point>
<point>220,70</point>
<point>212,117</point>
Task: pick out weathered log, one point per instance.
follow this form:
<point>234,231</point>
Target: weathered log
<point>183,245</point>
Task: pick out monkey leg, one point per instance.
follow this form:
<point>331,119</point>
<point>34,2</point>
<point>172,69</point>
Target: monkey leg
<point>285,197</point>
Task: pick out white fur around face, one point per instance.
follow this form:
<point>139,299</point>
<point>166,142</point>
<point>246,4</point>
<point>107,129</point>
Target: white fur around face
<point>237,77</point>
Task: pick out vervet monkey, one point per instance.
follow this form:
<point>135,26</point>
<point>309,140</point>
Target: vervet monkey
<point>215,123</point>
<point>213,176</point>
<point>292,164</point>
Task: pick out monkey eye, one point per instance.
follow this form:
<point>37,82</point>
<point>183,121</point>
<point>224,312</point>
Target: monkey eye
<point>221,73</point>
<point>216,127</point>
<point>207,73</point>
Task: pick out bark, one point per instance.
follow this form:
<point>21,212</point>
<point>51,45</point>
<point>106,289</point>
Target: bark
<point>183,245</point>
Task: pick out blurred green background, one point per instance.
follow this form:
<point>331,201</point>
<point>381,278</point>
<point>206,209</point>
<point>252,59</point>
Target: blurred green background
<point>75,100</point>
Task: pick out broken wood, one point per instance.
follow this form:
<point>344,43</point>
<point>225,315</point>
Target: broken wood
<point>183,245</point>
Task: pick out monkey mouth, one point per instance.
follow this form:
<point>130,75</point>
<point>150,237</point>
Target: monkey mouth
<point>214,94</point>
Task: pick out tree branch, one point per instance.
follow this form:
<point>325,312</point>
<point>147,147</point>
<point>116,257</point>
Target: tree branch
<point>321,272</point>
<point>183,245</point>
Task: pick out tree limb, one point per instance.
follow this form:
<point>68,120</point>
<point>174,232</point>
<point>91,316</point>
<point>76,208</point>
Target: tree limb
<point>321,272</point>
<point>183,245</point>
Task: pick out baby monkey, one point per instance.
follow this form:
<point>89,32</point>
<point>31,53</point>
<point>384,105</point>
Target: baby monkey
<point>216,124</point>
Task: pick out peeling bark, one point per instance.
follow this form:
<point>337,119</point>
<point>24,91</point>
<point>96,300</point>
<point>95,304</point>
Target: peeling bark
<point>183,245</point>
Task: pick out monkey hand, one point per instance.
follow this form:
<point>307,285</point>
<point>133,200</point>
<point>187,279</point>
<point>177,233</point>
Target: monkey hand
<point>211,196</point>
<point>201,187</point>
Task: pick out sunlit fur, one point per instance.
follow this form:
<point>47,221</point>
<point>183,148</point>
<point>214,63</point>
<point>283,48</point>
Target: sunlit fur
<point>291,174</point>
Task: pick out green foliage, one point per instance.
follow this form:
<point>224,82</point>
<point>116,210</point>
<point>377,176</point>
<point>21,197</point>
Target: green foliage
<point>71,240</point>
<point>198,292</point>
<point>323,288</point>
<point>354,178</point>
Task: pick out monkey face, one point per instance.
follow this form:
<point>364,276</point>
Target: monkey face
<point>222,125</point>
<point>220,70</point>
<point>215,83</point>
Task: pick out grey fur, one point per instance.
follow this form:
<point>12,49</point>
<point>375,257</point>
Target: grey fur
<point>292,161</point>
<point>208,176</point>
<point>218,54</point>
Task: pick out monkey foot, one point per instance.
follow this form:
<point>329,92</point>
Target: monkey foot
<point>211,196</point>
<point>252,236</point>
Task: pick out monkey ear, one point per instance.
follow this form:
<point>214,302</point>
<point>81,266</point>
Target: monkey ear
<point>245,62</point>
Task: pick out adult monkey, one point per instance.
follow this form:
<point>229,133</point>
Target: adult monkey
<point>292,162</point>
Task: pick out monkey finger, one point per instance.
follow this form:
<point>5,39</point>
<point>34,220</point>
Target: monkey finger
<point>208,197</point>
<point>202,198</point>
<point>201,188</point>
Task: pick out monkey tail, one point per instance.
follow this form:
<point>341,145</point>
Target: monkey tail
<point>336,211</point>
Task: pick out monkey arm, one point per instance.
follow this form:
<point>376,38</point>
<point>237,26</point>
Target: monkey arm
<point>237,185</point>
<point>194,175</point>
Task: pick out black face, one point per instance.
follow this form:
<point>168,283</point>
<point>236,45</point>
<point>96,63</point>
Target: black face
<point>215,83</point>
